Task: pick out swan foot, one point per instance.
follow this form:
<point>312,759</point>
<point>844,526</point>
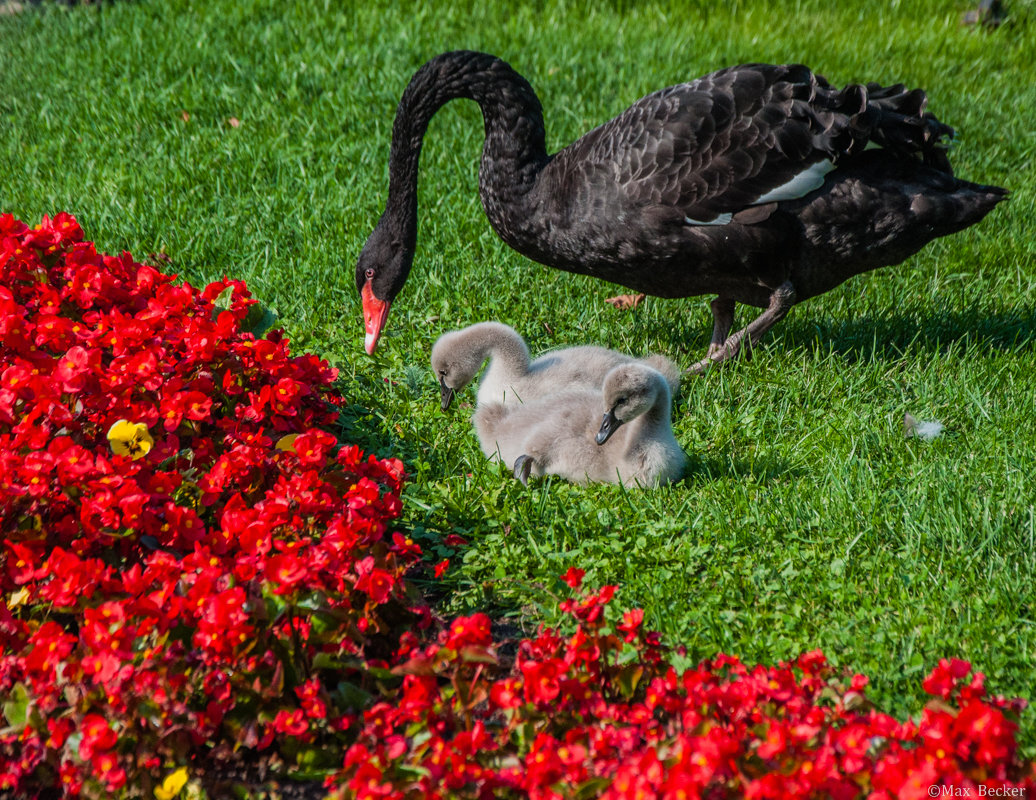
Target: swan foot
<point>722,322</point>
<point>726,348</point>
<point>523,468</point>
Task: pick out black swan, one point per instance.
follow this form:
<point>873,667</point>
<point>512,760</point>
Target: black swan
<point>761,184</point>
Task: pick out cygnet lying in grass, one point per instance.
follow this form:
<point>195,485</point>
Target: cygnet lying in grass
<point>562,433</point>
<point>512,377</point>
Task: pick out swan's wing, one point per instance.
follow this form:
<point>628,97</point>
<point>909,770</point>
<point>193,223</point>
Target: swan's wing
<point>739,138</point>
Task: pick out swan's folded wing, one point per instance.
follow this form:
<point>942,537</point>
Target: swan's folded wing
<point>742,137</point>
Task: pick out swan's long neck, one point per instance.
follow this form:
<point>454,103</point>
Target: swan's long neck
<point>515,145</point>
<point>507,351</point>
<point>655,419</point>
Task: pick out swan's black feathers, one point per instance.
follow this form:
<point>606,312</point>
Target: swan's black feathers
<point>762,184</point>
<point>716,145</point>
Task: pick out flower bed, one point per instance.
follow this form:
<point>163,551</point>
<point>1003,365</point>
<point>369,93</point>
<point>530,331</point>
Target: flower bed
<point>180,570</point>
<point>195,576</point>
<point>601,713</point>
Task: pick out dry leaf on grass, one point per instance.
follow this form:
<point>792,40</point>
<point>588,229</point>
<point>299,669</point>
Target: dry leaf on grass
<point>624,301</point>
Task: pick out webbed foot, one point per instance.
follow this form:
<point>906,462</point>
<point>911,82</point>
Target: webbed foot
<point>523,468</point>
<point>723,347</point>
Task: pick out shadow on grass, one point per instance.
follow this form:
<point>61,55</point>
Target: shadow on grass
<point>864,337</point>
<point>889,336</point>
<point>718,467</point>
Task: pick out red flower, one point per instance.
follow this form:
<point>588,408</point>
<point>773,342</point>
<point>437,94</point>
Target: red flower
<point>505,694</point>
<point>285,571</point>
<point>986,733</point>
<point>223,621</point>
<point>541,681</point>
<point>311,696</point>
<point>49,647</point>
<point>312,447</point>
<point>574,577</point>
<point>190,405</point>
<point>75,367</point>
<point>377,583</point>
<point>291,723</point>
<point>631,622</point>
<point>945,678</point>
<point>475,630</point>
<point>106,768</point>
<point>97,736</point>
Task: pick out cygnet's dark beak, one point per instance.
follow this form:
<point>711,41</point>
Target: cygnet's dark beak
<point>608,427</point>
<point>446,392</point>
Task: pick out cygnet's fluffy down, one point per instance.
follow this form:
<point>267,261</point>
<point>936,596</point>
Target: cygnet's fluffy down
<point>563,433</point>
<point>512,376</point>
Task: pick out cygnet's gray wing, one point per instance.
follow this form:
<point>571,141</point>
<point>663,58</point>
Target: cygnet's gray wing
<point>556,431</point>
<point>588,364</point>
<point>560,370</point>
<point>570,368</point>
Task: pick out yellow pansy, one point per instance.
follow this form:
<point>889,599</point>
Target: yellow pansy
<point>130,439</point>
<point>287,443</point>
<point>172,784</point>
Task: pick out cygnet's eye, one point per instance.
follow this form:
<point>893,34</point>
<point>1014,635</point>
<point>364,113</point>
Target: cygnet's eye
<point>621,401</point>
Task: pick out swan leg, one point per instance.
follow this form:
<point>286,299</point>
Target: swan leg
<point>782,299</point>
<point>523,468</point>
<point>722,322</point>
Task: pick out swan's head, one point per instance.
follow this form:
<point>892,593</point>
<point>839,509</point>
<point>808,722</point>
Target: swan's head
<point>629,391</point>
<point>455,364</point>
<point>381,271</point>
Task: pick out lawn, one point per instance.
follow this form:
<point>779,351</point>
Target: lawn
<point>250,139</point>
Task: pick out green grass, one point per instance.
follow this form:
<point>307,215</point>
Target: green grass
<point>807,519</point>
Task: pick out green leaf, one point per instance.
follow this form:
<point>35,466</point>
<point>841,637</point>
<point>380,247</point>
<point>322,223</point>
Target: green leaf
<point>591,788</point>
<point>330,661</point>
<point>222,302</point>
<point>629,678</point>
<point>478,654</point>
<point>258,320</point>
<point>16,709</point>
<point>317,760</point>
<point>349,695</point>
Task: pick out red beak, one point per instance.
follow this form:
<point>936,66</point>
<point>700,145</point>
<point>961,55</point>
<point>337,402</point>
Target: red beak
<point>375,312</point>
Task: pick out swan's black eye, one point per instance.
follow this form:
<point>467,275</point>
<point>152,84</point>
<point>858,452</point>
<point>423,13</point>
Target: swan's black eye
<point>369,273</point>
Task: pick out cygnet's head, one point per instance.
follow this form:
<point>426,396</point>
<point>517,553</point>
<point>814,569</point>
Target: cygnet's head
<point>455,363</point>
<point>457,356</point>
<point>629,391</point>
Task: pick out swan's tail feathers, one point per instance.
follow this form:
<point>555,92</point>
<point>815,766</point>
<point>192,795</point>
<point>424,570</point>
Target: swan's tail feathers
<point>942,204</point>
<point>973,201</point>
<point>895,118</point>
<point>902,124</point>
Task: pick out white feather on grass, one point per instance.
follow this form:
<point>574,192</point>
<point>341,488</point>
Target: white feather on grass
<point>922,429</point>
